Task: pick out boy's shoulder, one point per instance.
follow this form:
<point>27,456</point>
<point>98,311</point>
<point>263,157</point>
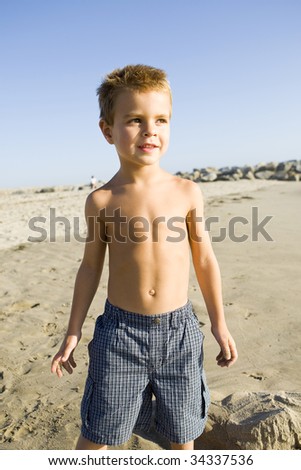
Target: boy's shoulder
<point>184,184</point>
<point>184,190</point>
<point>192,194</point>
<point>190,188</point>
<point>97,198</point>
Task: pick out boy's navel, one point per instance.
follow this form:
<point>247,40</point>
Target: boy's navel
<point>152,292</point>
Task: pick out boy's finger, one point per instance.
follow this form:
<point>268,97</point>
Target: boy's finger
<point>234,354</point>
<point>67,354</point>
<point>57,368</point>
<point>219,356</point>
<point>226,352</point>
<point>222,361</point>
<point>72,361</point>
<point>67,367</point>
<point>55,361</point>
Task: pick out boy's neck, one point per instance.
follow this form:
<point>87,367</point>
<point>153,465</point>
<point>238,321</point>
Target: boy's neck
<point>141,175</point>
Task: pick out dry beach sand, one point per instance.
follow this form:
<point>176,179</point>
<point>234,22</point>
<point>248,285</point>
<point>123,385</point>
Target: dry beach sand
<point>261,288</point>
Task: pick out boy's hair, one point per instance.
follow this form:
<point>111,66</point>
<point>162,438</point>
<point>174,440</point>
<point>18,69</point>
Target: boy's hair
<point>139,78</point>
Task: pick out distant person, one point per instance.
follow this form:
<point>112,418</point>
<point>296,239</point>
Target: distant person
<point>148,341</point>
<point>93,182</point>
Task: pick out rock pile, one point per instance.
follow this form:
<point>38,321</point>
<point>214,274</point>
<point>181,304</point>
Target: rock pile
<point>254,421</point>
<point>284,171</point>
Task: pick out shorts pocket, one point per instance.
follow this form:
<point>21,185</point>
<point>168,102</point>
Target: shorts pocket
<point>86,402</point>
<point>97,328</point>
<point>196,324</point>
<point>205,397</point>
<point>99,324</point>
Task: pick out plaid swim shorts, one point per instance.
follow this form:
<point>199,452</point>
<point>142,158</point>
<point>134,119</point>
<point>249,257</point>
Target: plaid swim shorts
<point>134,357</point>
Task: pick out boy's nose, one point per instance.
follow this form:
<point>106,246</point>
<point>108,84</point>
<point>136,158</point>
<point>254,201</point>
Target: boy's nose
<point>149,133</point>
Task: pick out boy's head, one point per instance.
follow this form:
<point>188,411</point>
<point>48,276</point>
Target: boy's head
<point>139,78</point>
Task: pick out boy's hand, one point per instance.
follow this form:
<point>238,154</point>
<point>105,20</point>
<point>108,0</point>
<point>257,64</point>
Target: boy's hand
<point>228,353</point>
<point>64,358</point>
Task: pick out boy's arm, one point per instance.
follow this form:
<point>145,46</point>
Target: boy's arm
<point>209,278</point>
<point>86,284</point>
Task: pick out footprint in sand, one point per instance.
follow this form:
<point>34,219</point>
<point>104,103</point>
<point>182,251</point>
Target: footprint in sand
<point>23,346</point>
<point>20,247</point>
<point>6,424</point>
<point>256,375</point>
<point>22,305</point>
<point>2,384</point>
<point>50,328</point>
<point>26,368</point>
<point>249,315</point>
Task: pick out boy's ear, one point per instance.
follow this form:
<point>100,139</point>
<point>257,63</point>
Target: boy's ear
<point>106,130</point>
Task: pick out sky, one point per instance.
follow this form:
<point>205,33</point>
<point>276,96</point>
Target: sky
<point>234,68</point>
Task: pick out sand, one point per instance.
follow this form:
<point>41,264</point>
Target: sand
<point>261,288</point>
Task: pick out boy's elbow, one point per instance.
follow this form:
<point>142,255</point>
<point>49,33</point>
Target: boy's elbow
<point>201,263</point>
<point>205,262</point>
<point>90,269</point>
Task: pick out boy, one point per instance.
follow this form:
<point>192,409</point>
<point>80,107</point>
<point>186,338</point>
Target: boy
<point>148,340</point>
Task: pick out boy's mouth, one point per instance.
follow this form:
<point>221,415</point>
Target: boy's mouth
<point>148,146</point>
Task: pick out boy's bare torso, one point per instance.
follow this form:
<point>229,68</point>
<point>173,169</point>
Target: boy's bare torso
<point>146,231</point>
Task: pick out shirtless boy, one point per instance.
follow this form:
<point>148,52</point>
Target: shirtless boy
<point>148,341</point>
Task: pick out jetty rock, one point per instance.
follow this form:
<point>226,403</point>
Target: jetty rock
<point>254,421</point>
<point>283,171</point>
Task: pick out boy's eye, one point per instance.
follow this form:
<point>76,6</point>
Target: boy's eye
<point>138,120</point>
<point>162,120</point>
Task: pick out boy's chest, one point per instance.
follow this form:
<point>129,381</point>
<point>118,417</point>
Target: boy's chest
<point>155,215</point>
<point>148,206</point>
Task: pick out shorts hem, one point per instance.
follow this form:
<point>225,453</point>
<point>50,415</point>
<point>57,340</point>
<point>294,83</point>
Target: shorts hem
<point>143,429</point>
<point>181,440</point>
<point>105,441</point>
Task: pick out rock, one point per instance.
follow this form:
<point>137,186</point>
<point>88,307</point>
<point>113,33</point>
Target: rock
<point>285,166</point>
<point>259,166</point>
<point>196,175</point>
<point>247,168</point>
<point>225,170</point>
<point>233,173</point>
<point>254,421</point>
<point>187,176</point>
<point>45,190</point>
<point>298,167</point>
<point>249,175</point>
<point>209,177</point>
<point>237,175</point>
<point>292,176</point>
<point>280,175</point>
<point>225,177</point>
<point>264,174</point>
<point>208,169</point>
<point>271,166</point>
<point>247,172</point>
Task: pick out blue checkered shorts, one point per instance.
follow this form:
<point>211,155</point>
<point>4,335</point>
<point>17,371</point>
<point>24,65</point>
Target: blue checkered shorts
<point>134,357</point>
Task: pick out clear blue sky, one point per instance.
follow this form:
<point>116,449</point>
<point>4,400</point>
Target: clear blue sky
<point>234,67</point>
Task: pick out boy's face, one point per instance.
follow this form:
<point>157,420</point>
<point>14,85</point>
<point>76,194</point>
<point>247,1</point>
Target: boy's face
<point>141,126</point>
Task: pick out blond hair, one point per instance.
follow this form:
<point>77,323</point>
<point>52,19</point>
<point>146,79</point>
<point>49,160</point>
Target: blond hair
<point>139,78</point>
